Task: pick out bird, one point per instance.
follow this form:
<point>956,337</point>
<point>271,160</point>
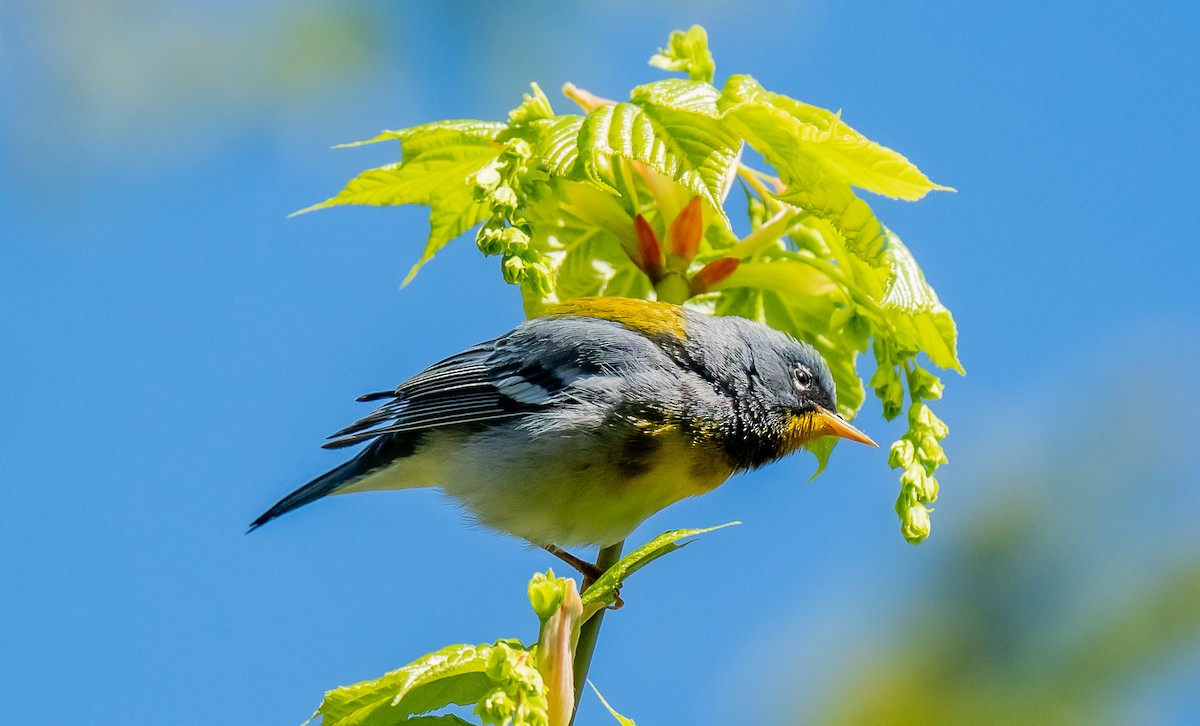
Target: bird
<point>577,425</point>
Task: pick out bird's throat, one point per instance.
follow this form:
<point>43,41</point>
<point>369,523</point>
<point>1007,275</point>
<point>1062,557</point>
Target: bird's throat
<point>800,430</point>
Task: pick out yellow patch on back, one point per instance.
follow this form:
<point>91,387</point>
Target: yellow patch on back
<point>647,317</point>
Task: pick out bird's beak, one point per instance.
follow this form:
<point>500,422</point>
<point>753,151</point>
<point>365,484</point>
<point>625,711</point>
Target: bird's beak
<point>834,425</point>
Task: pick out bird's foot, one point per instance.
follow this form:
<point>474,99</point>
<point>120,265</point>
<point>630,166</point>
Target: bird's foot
<point>590,573</point>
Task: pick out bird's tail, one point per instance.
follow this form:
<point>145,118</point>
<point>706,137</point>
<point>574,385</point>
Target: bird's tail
<point>377,458</point>
<point>325,484</point>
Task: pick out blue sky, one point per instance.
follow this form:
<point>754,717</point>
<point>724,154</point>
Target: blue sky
<point>175,349</point>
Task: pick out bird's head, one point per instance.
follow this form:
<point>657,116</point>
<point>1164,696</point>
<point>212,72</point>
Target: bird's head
<point>783,389</point>
<point>805,397</point>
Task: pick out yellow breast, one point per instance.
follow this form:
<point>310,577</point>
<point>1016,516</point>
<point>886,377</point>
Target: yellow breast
<point>679,468</point>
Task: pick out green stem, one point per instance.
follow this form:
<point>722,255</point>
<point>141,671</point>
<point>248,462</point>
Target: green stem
<point>590,631</point>
<point>755,179</point>
<point>673,288</point>
<point>908,374</point>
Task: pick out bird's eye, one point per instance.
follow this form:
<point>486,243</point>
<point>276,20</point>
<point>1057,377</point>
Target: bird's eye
<point>804,379</point>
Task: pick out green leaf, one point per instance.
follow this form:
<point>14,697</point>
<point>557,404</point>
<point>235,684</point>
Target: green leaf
<point>821,448</point>
<point>597,267</point>
<point>692,96</point>
<point>437,168</point>
<point>581,231</point>
<point>691,148</point>
<point>835,202</point>
<point>594,265</point>
<point>448,218</point>
<point>454,141</point>
<point>922,322</point>
<point>808,185</point>
<point>821,136</point>
<point>575,210</point>
<point>384,185</point>
<point>469,127</point>
<point>687,51</point>
<point>446,719</point>
<point>557,145</point>
<point>439,160</point>
<point>785,276</point>
<point>765,237</point>
<point>453,675</point>
<point>604,590</point>
<point>620,719</point>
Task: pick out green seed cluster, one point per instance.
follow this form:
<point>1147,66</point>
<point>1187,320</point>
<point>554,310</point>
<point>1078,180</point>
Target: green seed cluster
<point>503,185</point>
<point>520,697</point>
<point>919,451</point>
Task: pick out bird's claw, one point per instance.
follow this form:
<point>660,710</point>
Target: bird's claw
<point>590,573</point>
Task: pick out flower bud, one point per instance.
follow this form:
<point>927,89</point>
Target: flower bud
<point>929,493</point>
<point>514,240</point>
<point>918,413</point>
<point>913,479</point>
<point>513,269</point>
<point>900,456</point>
<point>537,276</point>
<point>883,376</point>
<point>488,178</point>
<point>931,453</point>
<point>546,593</point>
<point>712,274</point>
<point>496,709</point>
<point>915,524</point>
<point>922,418</point>
<point>892,399</point>
<point>490,237</point>
<point>504,197</point>
<point>925,384</point>
<point>934,425</point>
<point>516,150</point>
<point>556,654</point>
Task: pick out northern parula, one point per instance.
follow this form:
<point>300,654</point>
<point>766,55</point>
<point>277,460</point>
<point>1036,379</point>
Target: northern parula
<point>577,425</point>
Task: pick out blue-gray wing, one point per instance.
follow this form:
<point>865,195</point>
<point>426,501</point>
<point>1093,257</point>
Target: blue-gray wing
<point>531,369</point>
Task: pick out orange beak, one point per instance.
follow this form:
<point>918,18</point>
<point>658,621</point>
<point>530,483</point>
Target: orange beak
<point>834,425</point>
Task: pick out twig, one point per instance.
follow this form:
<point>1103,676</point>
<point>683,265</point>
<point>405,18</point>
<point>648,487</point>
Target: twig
<point>590,631</point>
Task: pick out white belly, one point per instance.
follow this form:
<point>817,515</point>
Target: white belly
<point>542,488</point>
<point>555,496</point>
